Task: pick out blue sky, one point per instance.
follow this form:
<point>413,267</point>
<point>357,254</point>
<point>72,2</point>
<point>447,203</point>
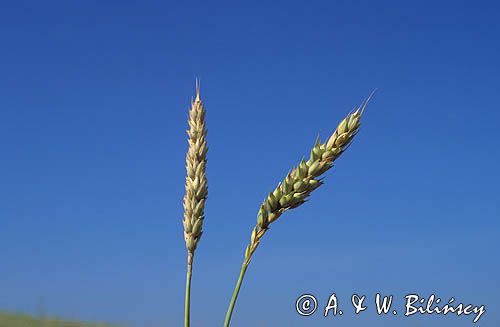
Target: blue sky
<point>93,107</point>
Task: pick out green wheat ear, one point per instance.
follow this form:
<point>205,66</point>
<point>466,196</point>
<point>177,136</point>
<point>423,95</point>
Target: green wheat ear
<point>298,185</point>
<point>303,179</point>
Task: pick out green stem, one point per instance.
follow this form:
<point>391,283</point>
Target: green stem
<point>235,293</point>
<point>188,290</point>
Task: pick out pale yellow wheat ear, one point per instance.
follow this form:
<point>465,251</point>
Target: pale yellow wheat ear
<point>196,187</point>
<point>298,185</point>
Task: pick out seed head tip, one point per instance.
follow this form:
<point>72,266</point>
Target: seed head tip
<point>197,89</point>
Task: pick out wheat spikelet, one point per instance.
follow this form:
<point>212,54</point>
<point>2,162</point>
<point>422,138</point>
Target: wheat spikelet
<point>303,179</point>
<point>196,180</point>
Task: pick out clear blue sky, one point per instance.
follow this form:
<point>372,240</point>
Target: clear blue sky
<point>93,107</point>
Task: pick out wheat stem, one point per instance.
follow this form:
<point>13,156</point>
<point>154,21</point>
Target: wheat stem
<point>187,302</point>
<point>235,295</point>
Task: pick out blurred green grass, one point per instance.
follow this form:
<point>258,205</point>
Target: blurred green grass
<point>8,319</point>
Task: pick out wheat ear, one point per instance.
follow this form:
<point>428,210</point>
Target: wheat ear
<point>196,188</point>
<point>297,186</point>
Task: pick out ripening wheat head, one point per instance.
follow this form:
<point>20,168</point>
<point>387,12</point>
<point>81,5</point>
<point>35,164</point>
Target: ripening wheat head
<point>196,180</point>
<point>299,183</point>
